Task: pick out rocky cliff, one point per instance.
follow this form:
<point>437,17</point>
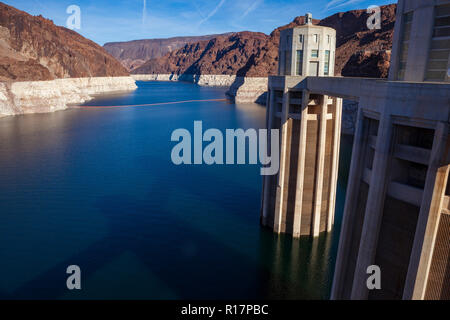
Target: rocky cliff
<point>355,40</point>
<point>24,97</point>
<point>133,54</point>
<point>241,54</point>
<point>252,54</point>
<point>33,48</point>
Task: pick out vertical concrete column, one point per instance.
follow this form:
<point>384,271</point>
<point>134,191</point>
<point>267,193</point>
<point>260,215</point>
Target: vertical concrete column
<point>374,208</point>
<point>301,165</point>
<point>320,165</point>
<point>266,188</point>
<point>280,205</point>
<point>396,43</point>
<point>350,205</point>
<point>419,43</point>
<point>335,161</point>
<point>427,225</point>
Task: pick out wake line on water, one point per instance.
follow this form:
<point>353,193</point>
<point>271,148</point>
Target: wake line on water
<point>155,104</point>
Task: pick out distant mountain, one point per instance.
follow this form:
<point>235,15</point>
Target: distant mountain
<point>33,48</point>
<point>360,51</point>
<point>133,54</point>
<point>242,53</point>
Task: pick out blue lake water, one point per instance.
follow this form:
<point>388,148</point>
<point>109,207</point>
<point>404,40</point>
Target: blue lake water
<point>95,187</point>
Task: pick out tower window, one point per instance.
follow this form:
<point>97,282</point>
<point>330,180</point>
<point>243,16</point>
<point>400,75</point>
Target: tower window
<point>437,67</point>
<point>315,53</point>
<point>326,67</point>
<point>406,33</point>
<point>287,63</point>
<point>300,38</point>
<point>316,38</point>
<point>299,67</point>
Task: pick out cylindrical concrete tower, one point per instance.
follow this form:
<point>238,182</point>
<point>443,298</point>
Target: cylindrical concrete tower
<point>308,50</point>
<point>300,200</point>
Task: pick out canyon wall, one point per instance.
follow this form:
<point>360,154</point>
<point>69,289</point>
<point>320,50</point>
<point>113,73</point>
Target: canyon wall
<point>132,54</point>
<point>47,96</point>
<point>44,67</point>
<point>249,89</point>
<point>213,80</point>
<point>33,48</point>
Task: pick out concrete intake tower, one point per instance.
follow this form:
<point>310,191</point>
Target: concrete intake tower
<point>397,206</point>
<point>300,199</point>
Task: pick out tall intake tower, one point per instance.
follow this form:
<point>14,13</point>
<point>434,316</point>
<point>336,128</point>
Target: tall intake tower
<point>300,199</point>
<point>397,207</point>
<point>397,210</point>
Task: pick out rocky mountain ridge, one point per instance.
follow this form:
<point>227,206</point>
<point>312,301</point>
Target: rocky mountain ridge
<point>360,51</point>
<point>133,54</point>
<point>34,48</point>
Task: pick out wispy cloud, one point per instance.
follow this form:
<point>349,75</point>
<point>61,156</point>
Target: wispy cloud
<point>252,7</point>
<point>221,3</point>
<point>198,10</point>
<point>144,12</point>
<point>334,4</point>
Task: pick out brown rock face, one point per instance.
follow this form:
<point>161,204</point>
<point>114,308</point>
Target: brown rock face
<point>367,64</point>
<point>30,70</point>
<point>241,53</point>
<point>33,48</point>
<point>133,54</point>
<point>255,54</point>
<point>353,37</point>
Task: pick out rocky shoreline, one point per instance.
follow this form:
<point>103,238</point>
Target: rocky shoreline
<point>241,89</point>
<point>26,97</point>
<point>48,96</point>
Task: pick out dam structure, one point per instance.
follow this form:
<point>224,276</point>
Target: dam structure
<point>397,207</point>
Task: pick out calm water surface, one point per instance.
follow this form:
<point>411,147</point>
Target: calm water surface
<point>96,188</point>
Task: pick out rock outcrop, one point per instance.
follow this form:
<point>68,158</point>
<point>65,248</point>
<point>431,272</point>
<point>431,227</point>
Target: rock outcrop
<point>242,54</point>
<point>253,54</point>
<point>45,68</point>
<point>24,97</point>
<point>132,54</point>
<point>33,48</point>
<point>212,80</point>
<point>354,37</point>
<point>368,64</point>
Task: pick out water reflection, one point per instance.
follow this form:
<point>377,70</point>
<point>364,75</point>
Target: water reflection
<point>303,268</point>
<point>298,268</point>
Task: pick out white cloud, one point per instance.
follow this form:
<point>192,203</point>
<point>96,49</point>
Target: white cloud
<point>334,4</point>
<point>144,12</point>
<point>252,7</point>
<point>221,3</point>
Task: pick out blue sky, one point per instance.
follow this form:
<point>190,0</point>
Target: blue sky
<point>119,20</point>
